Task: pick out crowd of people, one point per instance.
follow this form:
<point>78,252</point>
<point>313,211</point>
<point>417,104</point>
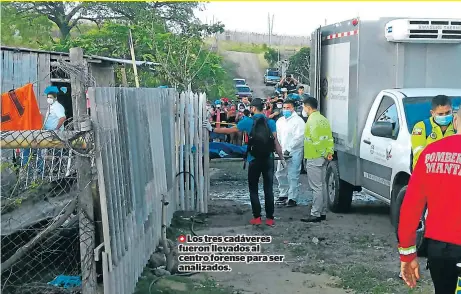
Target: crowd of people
<point>228,113</point>
<point>293,139</point>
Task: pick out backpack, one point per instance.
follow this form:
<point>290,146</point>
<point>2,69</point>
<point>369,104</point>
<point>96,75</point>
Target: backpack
<point>260,140</point>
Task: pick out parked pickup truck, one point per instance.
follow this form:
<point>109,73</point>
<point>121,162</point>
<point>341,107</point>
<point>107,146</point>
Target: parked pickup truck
<point>271,77</point>
<point>243,91</point>
<point>375,81</point>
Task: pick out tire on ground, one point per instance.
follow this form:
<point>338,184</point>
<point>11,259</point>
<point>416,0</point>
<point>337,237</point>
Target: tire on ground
<point>396,204</point>
<point>339,190</point>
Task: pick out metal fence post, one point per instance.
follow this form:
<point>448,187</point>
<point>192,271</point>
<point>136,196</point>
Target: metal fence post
<point>85,199</point>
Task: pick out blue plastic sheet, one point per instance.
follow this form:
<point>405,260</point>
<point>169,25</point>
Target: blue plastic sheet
<point>66,282</point>
<point>226,150</point>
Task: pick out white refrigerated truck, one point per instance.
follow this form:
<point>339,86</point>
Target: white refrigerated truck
<point>374,80</point>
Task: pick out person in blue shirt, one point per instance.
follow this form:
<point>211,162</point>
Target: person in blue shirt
<point>256,167</point>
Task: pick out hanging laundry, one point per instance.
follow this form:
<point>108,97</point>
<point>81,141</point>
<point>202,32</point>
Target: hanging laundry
<point>20,110</point>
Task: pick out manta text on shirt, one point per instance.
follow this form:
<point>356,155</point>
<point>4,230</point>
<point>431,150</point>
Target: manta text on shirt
<point>443,163</point>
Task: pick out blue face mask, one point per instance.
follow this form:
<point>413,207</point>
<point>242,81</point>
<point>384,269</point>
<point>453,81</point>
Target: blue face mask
<point>286,113</point>
<point>443,120</point>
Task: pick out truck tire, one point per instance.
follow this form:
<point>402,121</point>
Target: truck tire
<point>339,192</point>
<point>395,216</point>
<point>396,203</point>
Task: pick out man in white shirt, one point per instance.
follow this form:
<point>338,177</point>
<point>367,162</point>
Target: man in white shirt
<point>290,132</point>
<point>54,120</point>
<point>56,115</point>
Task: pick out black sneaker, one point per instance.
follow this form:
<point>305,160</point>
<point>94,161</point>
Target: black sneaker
<point>323,217</point>
<point>281,200</point>
<point>291,203</point>
<point>312,219</point>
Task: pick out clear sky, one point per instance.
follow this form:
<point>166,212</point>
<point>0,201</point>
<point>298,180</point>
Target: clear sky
<point>301,18</point>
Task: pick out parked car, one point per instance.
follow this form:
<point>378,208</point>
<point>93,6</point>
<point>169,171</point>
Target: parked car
<point>242,91</point>
<point>240,82</point>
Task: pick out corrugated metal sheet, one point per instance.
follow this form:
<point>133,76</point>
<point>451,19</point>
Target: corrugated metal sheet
<point>135,130</point>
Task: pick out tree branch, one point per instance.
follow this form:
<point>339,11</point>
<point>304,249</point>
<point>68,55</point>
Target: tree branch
<point>24,249</point>
<point>73,12</point>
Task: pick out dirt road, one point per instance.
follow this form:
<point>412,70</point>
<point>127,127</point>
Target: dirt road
<point>348,253</point>
<point>248,66</point>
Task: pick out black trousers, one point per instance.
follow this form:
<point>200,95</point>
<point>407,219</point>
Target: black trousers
<point>442,260</point>
<point>265,167</point>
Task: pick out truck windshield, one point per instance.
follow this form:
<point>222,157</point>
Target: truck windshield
<point>272,73</point>
<point>239,82</point>
<point>419,108</point>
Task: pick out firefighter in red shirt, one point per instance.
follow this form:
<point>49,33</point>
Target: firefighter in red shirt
<point>435,182</point>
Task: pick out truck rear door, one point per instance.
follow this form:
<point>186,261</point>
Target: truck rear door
<point>316,51</point>
<point>379,153</point>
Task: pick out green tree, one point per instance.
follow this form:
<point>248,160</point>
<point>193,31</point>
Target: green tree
<point>299,64</point>
<point>183,56</point>
<point>171,37</point>
<point>67,15</point>
<point>26,30</point>
<point>271,56</point>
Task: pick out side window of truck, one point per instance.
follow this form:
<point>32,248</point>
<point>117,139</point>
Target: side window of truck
<point>387,111</point>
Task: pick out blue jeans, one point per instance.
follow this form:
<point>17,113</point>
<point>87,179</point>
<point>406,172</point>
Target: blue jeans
<point>27,153</point>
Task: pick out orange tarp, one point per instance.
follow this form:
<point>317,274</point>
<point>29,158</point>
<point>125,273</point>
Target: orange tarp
<point>20,110</point>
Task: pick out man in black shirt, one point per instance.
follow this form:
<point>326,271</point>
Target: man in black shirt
<point>289,83</point>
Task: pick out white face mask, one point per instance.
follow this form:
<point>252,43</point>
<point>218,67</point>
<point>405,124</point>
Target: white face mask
<point>279,106</point>
<point>304,114</point>
<point>50,100</point>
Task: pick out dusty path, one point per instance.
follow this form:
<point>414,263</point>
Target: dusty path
<point>349,253</point>
<point>248,66</point>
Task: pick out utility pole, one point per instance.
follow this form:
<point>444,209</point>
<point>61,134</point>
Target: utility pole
<point>271,27</point>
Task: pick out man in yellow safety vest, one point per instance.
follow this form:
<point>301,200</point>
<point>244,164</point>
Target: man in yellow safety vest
<point>430,130</point>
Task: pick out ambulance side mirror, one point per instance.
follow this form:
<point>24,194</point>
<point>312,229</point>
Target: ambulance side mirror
<point>382,129</point>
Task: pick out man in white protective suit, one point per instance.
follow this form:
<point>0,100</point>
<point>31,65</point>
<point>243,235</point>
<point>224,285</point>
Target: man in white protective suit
<point>290,132</point>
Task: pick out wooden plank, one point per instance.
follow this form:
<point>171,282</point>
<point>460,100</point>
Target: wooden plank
<point>200,153</point>
<point>7,71</point>
<point>206,161</point>
<point>44,74</point>
<point>32,72</point>
<point>173,98</point>
<point>182,142</point>
<point>191,155</point>
<point>197,151</point>
<point>187,152</point>
<point>17,70</point>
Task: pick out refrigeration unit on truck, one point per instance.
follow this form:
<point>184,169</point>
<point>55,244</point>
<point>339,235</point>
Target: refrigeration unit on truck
<point>374,81</point>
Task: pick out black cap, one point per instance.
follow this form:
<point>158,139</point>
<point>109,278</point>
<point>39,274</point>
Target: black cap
<point>257,102</point>
<point>280,100</point>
